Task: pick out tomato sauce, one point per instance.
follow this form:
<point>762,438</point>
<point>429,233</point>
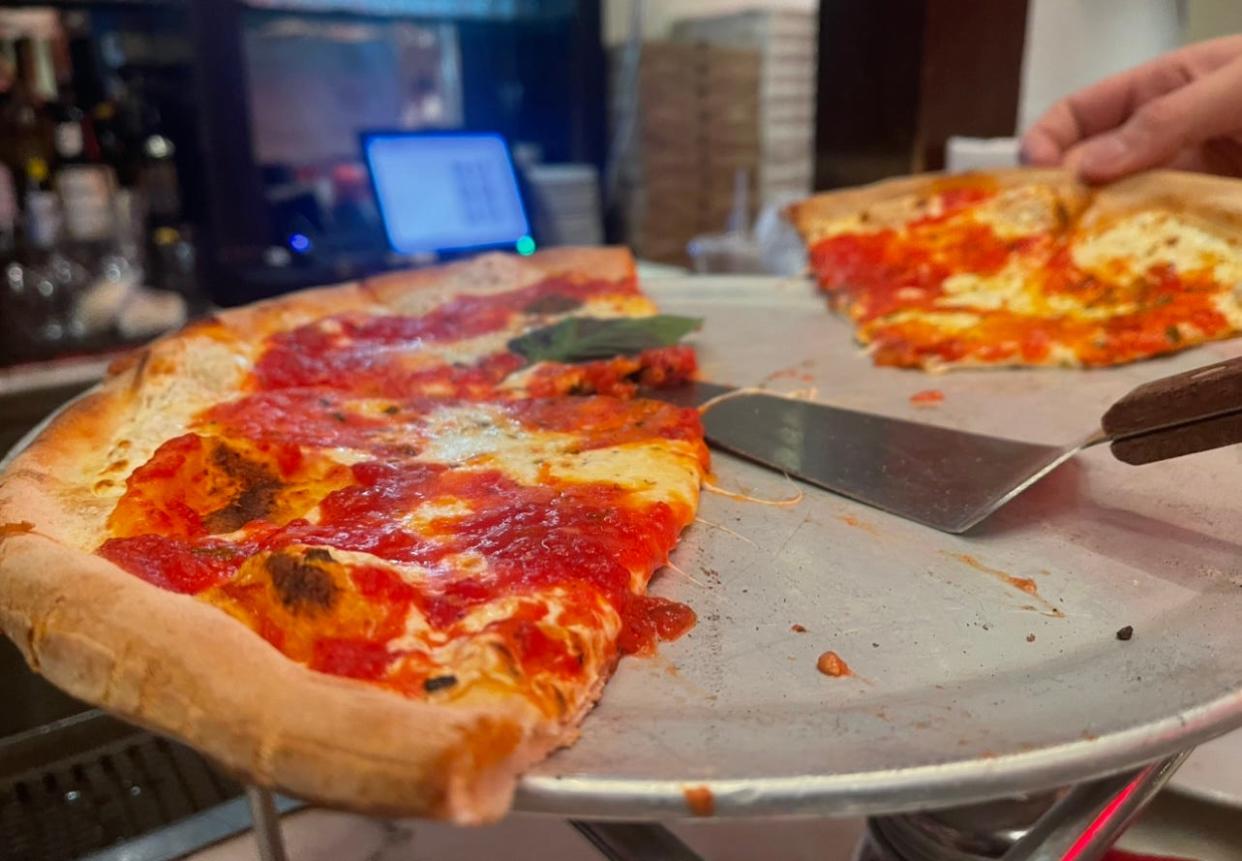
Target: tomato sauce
<point>365,353</point>
<point>648,619</point>
<point>1162,304</point>
<point>583,537</point>
<point>927,398</point>
<point>1120,317</point>
<point>319,417</point>
<point>887,271</point>
<point>176,564</point>
<point>600,422</point>
<point>355,659</point>
<point>618,377</point>
<point>250,471</point>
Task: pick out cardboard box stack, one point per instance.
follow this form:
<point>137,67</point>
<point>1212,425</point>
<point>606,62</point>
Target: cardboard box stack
<point>785,41</point>
<point>695,118</point>
<point>728,94</point>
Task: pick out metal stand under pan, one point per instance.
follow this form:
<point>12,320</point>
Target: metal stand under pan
<point>1076,824</point>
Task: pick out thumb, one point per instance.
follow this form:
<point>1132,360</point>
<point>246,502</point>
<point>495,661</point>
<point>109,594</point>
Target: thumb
<point>1156,132</point>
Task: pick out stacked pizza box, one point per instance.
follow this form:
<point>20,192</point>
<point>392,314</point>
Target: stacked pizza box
<point>729,97</point>
<point>784,114</point>
<point>694,127</point>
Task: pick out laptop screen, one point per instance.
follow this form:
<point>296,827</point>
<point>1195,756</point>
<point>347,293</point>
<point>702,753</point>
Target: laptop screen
<point>447,192</point>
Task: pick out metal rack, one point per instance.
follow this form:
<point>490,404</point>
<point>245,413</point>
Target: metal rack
<point>1078,825</point>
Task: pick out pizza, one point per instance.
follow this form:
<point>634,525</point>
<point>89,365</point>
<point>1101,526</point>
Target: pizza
<point>1029,267</point>
<point>351,543</point>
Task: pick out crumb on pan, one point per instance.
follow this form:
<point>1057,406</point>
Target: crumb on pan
<point>830,664</point>
<point>927,398</point>
<point>700,800</point>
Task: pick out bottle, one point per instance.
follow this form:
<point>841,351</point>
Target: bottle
<point>83,181</point>
<point>125,117</point>
<point>27,132</point>
<point>8,215</point>
<point>41,208</point>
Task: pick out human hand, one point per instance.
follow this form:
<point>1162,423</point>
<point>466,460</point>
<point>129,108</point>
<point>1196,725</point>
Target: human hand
<point>1182,109</point>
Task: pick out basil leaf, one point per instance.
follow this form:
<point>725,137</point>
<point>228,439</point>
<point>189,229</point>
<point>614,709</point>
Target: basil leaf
<point>583,339</point>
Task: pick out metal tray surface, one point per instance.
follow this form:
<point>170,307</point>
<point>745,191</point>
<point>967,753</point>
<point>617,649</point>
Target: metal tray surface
<point>966,685</point>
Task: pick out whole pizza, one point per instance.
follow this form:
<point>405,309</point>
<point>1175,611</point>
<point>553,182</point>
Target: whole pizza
<point>371,544</point>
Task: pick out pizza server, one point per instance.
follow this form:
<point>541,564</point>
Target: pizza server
<point>948,479</point>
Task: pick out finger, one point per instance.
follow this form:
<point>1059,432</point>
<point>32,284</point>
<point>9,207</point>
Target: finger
<point>1161,128</point>
<point>1045,143</point>
<point>1100,107</point>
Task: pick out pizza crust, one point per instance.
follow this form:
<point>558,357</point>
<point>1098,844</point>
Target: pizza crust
<point>418,290</point>
<point>184,668</point>
<point>1214,199</point>
<point>881,199</point>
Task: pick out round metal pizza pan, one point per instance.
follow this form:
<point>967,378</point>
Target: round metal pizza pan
<point>965,687</point>
<point>1213,772</point>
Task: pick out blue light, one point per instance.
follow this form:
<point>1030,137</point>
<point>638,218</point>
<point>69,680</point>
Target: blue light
<point>300,243</point>
<point>525,245</point>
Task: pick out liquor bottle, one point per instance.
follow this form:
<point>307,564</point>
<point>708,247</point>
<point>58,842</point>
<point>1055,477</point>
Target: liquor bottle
<point>84,182</point>
<point>8,215</point>
<point>26,130</point>
<point>41,208</point>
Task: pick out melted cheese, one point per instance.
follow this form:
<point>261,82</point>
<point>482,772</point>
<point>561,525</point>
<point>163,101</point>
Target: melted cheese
<point>421,518</point>
<point>948,321</point>
<point>1229,305</point>
<point>481,436</point>
<point>1129,248</point>
<point>1021,211</point>
<point>652,472</point>
<point>1016,290</point>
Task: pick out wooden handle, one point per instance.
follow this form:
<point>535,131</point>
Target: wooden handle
<point>1175,442</point>
<point>1179,399</point>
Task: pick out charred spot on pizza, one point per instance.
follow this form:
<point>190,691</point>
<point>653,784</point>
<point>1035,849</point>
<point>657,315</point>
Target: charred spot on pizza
<point>511,665</point>
<point>301,585</point>
<point>552,303</point>
<point>20,527</point>
<point>439,683</point>
<point>257,495</point>
<point>562,704</point>
<point>318,554</point>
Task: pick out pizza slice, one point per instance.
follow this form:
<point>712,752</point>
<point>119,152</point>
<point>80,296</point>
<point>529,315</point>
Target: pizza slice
<point>350,544</point>
<point>1027,267</point>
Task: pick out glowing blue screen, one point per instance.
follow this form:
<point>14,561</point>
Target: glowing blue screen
<point>446,191</point>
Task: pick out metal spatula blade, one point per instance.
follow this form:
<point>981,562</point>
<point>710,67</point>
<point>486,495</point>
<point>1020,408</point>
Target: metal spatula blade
<point>946,479</point>
<point>949,479</point>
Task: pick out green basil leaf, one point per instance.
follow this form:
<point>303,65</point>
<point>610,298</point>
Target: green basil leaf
<point>583,339</point>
